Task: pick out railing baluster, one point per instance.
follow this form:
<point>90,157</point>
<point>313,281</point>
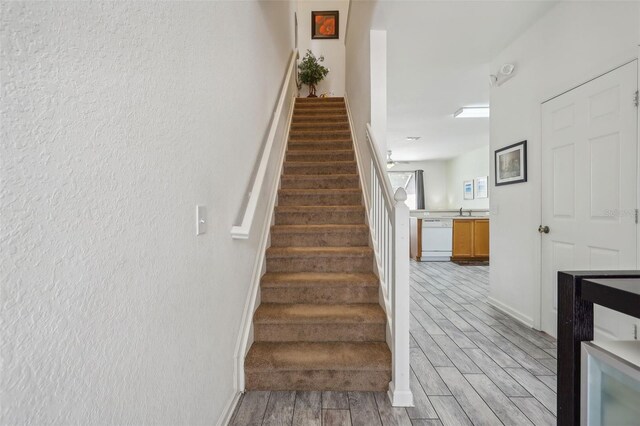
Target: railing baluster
<point>381,224</point>
<point>388,258</point>
<point>388,217</point>
<point>373,190</point>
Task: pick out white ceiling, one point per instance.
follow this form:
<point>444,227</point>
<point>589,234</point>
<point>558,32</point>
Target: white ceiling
<point>437,61</point>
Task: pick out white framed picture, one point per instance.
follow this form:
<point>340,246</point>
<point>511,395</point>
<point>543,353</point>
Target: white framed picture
<point>468,189</point>
<point>482,189</point>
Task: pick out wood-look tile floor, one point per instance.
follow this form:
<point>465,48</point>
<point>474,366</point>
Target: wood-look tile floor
<point>471,365</point>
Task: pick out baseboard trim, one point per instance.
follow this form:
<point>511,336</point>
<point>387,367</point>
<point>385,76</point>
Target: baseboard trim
<point>229,408</point>
<point>245,336</point>
<point>518,316</point>
<point>400,398</point>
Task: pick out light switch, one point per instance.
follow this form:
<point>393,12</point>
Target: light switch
<point>201,218</point>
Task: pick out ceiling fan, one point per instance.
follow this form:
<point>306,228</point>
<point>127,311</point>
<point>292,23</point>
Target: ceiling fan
<point>391,163</point>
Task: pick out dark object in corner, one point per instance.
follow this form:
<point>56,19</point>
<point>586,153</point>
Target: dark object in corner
<point>577,292</point>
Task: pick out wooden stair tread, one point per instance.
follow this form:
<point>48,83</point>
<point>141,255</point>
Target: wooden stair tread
<point>313,279</point>
<point>320,125</point>
<point>322,227</point>
<point>286,356</point>
<point>302,191</point>
<point>274,313</point>
<point>322,108</point>
<point>313,140</point>
<point>319,100</point>
<point>274,252</point>
<point>318,163</point>
<point>305,132</point>
<point>325,118</point>
<point>336,176</point>
<point>317,152</point>
<point>304,209</point>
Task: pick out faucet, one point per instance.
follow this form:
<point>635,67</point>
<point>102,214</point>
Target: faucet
<point>460,214</point>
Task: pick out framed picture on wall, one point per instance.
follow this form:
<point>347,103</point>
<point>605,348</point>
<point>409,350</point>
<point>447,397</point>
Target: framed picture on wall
<point>467,187</point>
<point>511,164</point>
<point>325,25</point>
<point>482,190</point>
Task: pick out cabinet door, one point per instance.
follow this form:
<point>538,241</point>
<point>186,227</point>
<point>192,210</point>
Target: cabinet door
<point>481,238</point>
<point>415,237</point>
<point>462,238</point>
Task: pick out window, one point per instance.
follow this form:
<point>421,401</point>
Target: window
<point>406,180</point>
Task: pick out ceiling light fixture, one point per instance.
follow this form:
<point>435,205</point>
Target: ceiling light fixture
<point>391,163</point>
<point>412,138</point>
<point>472,112</point>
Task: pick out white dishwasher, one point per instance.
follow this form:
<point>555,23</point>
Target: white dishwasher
<point>437,240</point>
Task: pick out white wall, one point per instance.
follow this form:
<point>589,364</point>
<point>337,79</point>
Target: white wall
<point>117,119</point>
<point>434,179</point>
<point>332,49</point>
<point>468,166</point>
<point>574,42</point>
<point>358,73</point>
<point>358,63</point>
<point>378,75</point>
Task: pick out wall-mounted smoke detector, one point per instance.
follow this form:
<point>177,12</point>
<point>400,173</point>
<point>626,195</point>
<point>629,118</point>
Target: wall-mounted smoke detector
<point>505,73</point>
<point>472,112</point>
<point>412,138</point>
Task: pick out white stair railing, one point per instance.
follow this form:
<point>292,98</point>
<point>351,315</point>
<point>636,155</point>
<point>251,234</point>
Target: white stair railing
<point>388,217</point>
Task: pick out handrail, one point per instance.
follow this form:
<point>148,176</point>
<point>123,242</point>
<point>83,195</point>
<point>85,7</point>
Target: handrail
<point>389,223</point>
<point>388,219</point>
<point>241,232</point>
<point>387,188</point>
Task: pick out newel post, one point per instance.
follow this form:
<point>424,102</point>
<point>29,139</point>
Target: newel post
<point>399,390</point>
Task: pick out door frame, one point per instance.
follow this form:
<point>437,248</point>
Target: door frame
<point>537,308</point>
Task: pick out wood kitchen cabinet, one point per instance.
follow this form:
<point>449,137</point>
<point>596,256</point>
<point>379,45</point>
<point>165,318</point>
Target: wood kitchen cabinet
<point>415,238</point>
<point>470,239</point>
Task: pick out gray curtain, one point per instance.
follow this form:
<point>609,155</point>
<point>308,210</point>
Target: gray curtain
<point>419,190</point>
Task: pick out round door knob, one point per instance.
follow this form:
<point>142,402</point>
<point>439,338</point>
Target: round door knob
<point>543,229</point>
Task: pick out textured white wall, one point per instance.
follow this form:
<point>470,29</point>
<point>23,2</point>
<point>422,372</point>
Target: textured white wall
<point>333,49</point>
<point>117,119</point>
<point>468,166</point>
<point>574,42</point>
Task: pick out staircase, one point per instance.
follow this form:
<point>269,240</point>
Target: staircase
<point>319,325</point>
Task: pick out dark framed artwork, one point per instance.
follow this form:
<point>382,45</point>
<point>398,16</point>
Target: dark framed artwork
<point>325,25</point>
<point>511,164</point>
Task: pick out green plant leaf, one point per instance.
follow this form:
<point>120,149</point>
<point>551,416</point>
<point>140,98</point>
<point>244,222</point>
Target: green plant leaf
<point>310,70</point>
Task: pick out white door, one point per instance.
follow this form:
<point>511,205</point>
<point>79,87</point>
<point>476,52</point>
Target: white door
<point>590,189</point>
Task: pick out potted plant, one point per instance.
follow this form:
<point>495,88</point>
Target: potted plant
<point>311,72</point>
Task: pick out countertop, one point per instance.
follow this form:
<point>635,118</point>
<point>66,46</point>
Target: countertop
<point>425,214</point>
